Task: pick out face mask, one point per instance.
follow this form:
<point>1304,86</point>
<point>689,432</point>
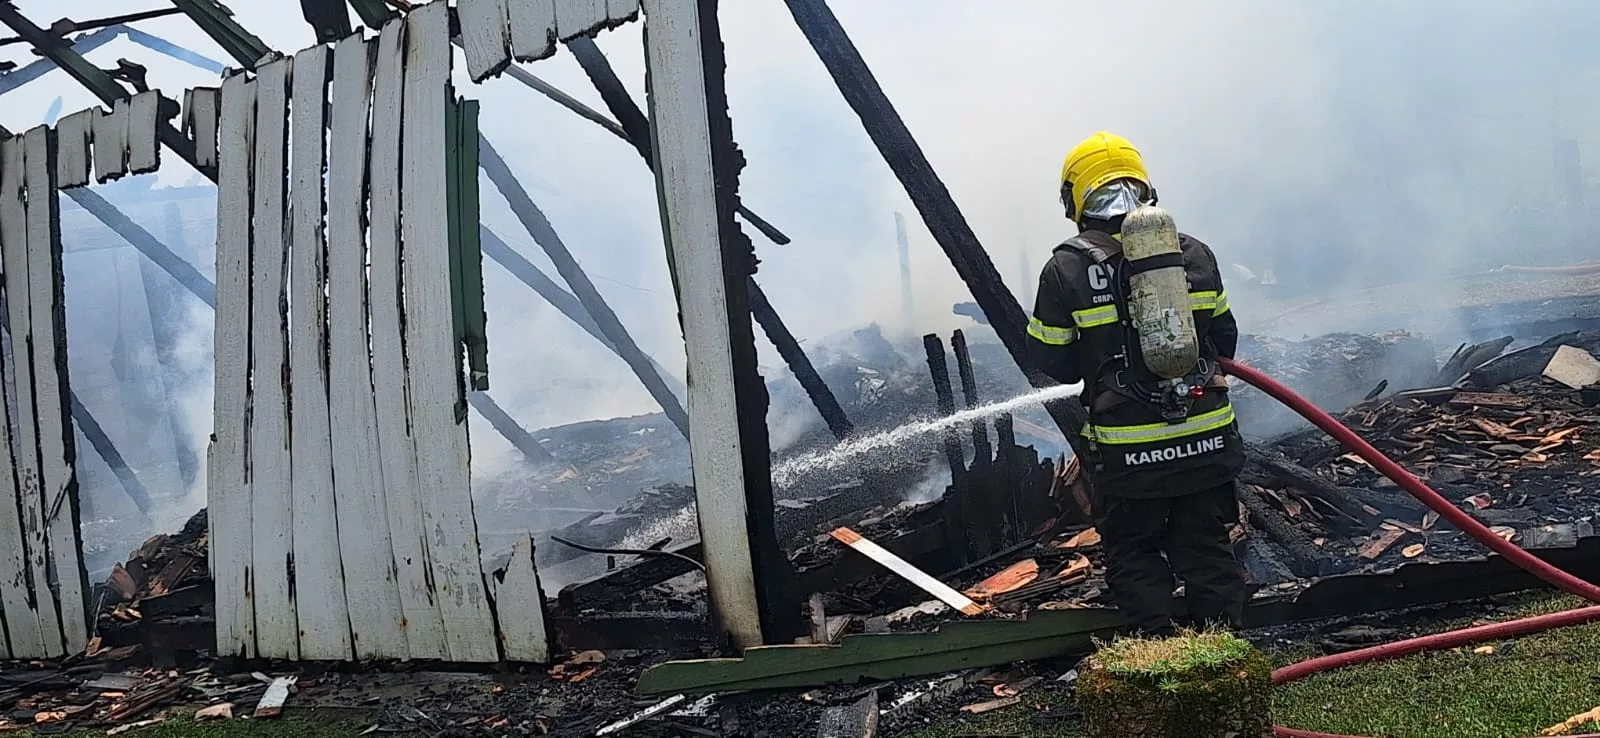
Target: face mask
<point>1117,198</point>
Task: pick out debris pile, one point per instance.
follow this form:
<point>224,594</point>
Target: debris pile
<point>1509,445</point>
<point>161,597</point>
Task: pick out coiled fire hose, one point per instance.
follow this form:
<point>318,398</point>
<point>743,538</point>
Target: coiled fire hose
<point>1460,519</point>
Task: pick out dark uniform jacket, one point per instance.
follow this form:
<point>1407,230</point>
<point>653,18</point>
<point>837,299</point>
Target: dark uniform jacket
<point>1075,333</point>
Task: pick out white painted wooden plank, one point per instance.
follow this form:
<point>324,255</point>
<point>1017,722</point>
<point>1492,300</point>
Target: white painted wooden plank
<point>72,148</point>
<point>533,29</point>
<point>519,603</point>
<point>227,479</point>
<point>433,357</point>
<point>402,498</point>
<point>484,37</point>
<point>318,578</point>
<point>579,17</point>
<point>58,484</point>
<point>111,142</point>
<point>27,640</point>
<point>29,478</point>
<point>271,502</point>
<point>358,475</point>
<point>200,123</point>
<point>689,213</point>
<point>144,152</point>
<point>622,11</point>
<point>908,571</point>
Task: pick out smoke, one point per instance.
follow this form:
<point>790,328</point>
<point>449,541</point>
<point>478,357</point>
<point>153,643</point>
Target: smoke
<point>1341,146</point>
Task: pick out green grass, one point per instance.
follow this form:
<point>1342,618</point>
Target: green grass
<point>1517,691</point>
<point>1167,657</point>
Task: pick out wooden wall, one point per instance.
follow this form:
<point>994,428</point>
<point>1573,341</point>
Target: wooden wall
<point>340,501</point>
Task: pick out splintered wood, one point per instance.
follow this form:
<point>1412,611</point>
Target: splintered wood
<point>340,499</point>
<point>494,32</point>
<point>1512,458</point>
<point>39,542</point>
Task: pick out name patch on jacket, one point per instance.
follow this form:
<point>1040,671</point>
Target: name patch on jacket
<point>1173,453</point>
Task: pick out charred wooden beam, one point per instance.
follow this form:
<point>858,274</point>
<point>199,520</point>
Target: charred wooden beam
<point>636,130</point>
<point>673,631</point>
<point>929,194</point>
<point>969,392</point>
<point>501,253</point>
<point>96,435</point>
<point>1305,559</point>
<point>711,260</point>
<point>821,395</point>
<point>596,117</point>
<point>509,427</point>
<point>779,604</point>
<point>538,226</point>
<point>165,308</point>
<point>940,370</point>
<point>1283,470</point>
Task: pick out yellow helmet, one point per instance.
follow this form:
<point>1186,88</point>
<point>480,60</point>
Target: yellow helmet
<point>1099,160</point>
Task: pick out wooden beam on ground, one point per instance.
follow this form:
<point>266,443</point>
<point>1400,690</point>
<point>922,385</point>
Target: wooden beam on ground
<point>951,647</point>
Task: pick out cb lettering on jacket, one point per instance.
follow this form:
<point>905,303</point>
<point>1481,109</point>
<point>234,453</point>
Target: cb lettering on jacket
<point>1173,453</point>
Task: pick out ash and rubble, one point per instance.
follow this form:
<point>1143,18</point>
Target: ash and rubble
<point>1495,437</point>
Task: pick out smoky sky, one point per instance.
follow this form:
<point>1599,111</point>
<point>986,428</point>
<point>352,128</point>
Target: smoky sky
<point>1346,145</point>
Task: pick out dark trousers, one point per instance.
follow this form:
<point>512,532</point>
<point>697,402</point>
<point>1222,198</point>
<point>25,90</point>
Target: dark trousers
<point>1191,531</point>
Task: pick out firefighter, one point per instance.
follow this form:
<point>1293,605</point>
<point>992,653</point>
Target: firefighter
<point>1162,466</point>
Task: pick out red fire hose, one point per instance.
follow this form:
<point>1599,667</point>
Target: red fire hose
<point>1462,521</point>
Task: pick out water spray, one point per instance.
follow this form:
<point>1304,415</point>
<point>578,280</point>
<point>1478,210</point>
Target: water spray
<point>787,471</point>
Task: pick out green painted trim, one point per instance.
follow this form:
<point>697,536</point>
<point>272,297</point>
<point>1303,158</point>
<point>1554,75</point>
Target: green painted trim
<point>953,646</point>
<point>218,23</point>
<point>466,252</point>
<point>470,252</point>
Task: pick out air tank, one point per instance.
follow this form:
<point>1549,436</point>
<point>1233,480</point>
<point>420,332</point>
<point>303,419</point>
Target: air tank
<point>1158,298</point>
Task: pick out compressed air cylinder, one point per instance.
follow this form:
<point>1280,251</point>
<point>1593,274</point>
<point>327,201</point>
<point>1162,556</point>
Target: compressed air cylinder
<point>1158,298</point>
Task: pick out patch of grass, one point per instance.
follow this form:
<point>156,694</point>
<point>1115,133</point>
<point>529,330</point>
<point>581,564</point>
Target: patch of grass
<point>1520,689</point>
<point>1165,657</point>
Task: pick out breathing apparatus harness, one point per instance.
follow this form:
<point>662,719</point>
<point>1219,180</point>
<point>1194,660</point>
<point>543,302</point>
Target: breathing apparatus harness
<point>1124,372</point>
